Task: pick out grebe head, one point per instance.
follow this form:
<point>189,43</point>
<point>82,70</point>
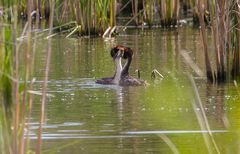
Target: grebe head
<point>127,52</point>
<point>113,52</point>
<point>116,53</point>
<point>122,76</point>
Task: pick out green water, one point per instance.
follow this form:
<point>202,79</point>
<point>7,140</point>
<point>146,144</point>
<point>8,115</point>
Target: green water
<point>85,117</point>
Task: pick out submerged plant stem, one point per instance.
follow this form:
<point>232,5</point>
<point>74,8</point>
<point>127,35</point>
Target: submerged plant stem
<point>44,90</point>
<point>202,120</point>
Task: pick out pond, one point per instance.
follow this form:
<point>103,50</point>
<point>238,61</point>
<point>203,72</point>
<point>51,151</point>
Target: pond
<point>164,117</point>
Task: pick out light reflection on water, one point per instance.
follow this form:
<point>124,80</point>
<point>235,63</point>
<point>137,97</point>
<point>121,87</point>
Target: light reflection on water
<point>112,119</point>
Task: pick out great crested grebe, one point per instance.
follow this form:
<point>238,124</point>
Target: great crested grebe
<point>116,55</point>
<point>126,79</point>
<point>121,76</point>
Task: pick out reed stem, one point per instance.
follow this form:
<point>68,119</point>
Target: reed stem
<point>44,89</point>
<point>204,41</point>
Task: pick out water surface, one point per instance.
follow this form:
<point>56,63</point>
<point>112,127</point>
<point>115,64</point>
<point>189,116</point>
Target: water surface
<point>85,117</point>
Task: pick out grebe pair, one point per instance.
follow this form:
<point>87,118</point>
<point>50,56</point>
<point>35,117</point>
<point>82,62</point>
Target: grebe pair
<point>121,76</point>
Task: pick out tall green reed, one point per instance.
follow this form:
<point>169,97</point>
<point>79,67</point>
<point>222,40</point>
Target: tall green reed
<point>13,94</point>
<point>149,6</point>
<point>135,10</point>
<point>169,12</point>
<point>194,8</point>
<point>6,114</point>
<point>93,17</point>
<point>8,135</point>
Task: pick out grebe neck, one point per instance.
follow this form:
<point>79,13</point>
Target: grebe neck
<point>118,70</point>
<point>126,66</point>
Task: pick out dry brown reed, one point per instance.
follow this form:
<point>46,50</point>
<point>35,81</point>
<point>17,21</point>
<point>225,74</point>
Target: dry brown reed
<point>204,41</point>
<point>44,89</point>
<point>224,19</point>
<point>234,39</point>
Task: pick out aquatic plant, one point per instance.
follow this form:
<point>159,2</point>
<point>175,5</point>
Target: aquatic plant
<point>234,39</point>
<point>145,11</point>
<point>92,16</point>
<point>47,68</point>
<point>204,42</point>
<point>14,96</point>
<point>149,11</point>
<point>84,17</point>
<point>6,113</point>
<point>209,140</point>
<point>224,19</point>
<point>169,12</point>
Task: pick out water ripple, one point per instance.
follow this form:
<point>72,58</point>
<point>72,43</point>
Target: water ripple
<point>173,132</point>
